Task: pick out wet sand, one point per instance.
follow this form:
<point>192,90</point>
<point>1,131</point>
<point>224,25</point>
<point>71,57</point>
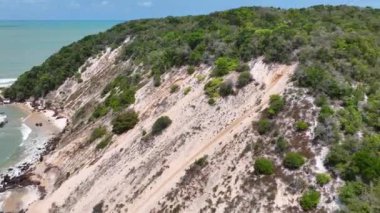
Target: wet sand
<point>48,127</point>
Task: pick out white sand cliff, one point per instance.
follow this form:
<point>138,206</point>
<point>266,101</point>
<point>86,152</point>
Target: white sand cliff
<point>137,175</point>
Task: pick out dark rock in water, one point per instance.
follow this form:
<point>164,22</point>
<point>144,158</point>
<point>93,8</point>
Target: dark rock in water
<point>10,169</point>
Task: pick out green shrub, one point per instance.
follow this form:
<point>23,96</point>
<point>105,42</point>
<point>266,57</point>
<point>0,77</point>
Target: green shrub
<point>105,142</point>
<point>264,166</point>
<point>118,100</point>
<point>243,67</point>
<point>325,113</point>
<point>351,191</point>
<point>197,166</point>
<point>211,101</point>
<point>293,160</point>
<point>174,88</point>
<point>190,70</point>
<point>281,144</point>
<point>201,162</point>
<point>323,179</point>
<point>161,124</point>
<point>212,87</point>
<point>244,79</point>
<point>301,126</point>
<point>201,77</point>
<point>224,65</point>
<point>186,90</point>
<point>124,122</point>
<point>310,200</point>
<point>97,133</point>
<point>350,119</point>
<point>226,89</point>
<point>156,80</point>
<point>276,104</point>
<point>100,111</point>
<point>264,126</point>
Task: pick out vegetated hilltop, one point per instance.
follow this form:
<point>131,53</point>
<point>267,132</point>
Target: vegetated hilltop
<point>168,94</point>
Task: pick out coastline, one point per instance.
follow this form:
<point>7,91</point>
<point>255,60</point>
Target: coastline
<point>38,128</point>
<point>11,195</point>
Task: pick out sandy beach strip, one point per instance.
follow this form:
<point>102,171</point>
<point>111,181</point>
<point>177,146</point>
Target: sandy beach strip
<point>50,125</point>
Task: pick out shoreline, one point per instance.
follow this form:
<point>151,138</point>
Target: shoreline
<point>18,175</point>
<point>44,128</point>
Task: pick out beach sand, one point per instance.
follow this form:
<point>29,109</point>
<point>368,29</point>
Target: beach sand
<point>20,198</point>
<point>50,124</point>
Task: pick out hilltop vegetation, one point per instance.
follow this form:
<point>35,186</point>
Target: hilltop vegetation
<point>337,48</point>
<point>322,34</point>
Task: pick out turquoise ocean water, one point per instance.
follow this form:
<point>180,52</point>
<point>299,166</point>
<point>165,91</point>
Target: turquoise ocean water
<point>24,44</point>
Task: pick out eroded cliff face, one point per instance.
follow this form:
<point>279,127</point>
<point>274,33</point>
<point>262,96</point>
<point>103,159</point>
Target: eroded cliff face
<point>158,174</point>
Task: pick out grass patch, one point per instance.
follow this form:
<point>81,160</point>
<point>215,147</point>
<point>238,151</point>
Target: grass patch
<point>293,160</point>
<point>211,88</point>
<point>187,90</point>
<point>174,88</point>
<point>264,166</point>
<point>310,200</point>
<point>323,179</point>
<point>301,126</point>
<point>97,133</point>
<point>105,142</point>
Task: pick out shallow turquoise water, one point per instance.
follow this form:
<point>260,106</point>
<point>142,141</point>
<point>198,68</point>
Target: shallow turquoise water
<point>24,44</point>
<point>11,134</point>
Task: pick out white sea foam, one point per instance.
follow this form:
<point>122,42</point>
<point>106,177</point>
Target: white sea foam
<point>6,82</point>
<point>25,131</point>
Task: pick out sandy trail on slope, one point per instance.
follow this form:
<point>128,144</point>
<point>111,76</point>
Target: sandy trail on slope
<point>275,80</point>
<point>274,85</point>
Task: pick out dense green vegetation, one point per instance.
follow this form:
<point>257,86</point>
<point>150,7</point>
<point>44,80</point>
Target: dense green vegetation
<point>301,126</point>
<point>263,126</point>
<point>276,104</point>
<point>310,200</point>
<point>124,122</point>
<point>100,111</point>
<point>264,166</point>
<point>293,160</point>
<point>337,47</point>
<point>224,65</point>
<point>212,87</point>
<point>121,92</point>
<point>323,179</point>
<point>161,124</point>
